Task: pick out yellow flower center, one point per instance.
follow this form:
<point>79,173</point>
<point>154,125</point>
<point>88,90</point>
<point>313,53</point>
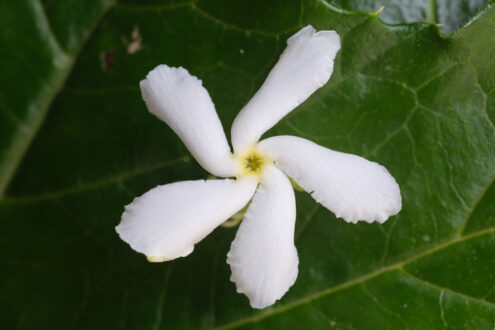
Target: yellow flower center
<point>252,162</point>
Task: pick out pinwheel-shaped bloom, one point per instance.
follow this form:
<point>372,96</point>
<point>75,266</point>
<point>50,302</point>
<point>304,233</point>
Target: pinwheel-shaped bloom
<point>168,220</point>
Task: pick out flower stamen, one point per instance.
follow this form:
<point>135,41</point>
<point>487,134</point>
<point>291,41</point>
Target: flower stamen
<point>253,163</point>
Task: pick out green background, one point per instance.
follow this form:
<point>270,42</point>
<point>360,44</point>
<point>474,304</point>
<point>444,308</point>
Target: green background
<point>77,144</point>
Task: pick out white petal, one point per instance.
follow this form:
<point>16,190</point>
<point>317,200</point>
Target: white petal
<point>180,100</point>
<point>348,185</point>
<point>304,66</point>
<point>168,220</point>
<point>263,257</point>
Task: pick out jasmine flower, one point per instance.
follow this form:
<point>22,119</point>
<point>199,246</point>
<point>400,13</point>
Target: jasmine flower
<point>166,222</point>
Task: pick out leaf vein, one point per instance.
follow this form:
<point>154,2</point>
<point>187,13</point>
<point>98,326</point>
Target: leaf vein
<point>463,225</point>
<point>449,290</point>
<point>96,184</point>
<point>44,24</point>
<point>22,140</point>
<point>327,318</point>
<point>169,6</point>
<point>375,299</point>
<point>355,281</point>
<point>218,21</point>
<point>306,221</point>
<point>161,297</point>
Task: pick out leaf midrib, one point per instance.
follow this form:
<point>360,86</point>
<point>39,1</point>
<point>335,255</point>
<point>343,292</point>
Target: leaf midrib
<point>22,140</point>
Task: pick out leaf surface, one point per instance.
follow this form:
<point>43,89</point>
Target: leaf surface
<point>449,15</point>
<point>77,144</point>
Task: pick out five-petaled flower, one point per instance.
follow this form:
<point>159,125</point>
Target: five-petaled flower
<point>168,220</point>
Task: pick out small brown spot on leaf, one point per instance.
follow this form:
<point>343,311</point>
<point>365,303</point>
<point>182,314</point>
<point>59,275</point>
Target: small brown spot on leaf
<point>107,59</point>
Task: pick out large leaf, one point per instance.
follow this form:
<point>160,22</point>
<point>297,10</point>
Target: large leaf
<point>73,152</point>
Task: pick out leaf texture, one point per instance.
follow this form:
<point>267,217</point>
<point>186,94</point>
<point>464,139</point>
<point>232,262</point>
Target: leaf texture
<point>77,144</point>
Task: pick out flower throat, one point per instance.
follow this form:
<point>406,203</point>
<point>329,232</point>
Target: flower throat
<point>253,163</point>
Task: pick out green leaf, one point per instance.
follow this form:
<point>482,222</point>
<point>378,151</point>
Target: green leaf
<point>449,15</point>
<point>77,144</point>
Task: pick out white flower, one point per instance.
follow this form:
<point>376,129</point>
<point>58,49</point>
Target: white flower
<point>168,220</point>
